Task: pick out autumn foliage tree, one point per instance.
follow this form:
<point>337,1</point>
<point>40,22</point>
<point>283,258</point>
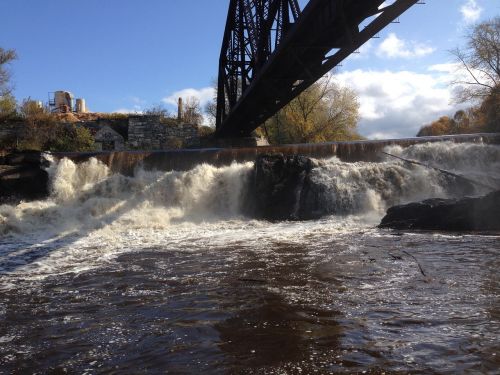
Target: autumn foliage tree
<point>324,112</point>
<point>441,126</point>
<point>463,122</point>
<point>489,112</point>
<point>479,65</point>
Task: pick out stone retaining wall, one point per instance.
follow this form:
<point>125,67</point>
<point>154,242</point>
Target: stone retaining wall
<point>149,133</point>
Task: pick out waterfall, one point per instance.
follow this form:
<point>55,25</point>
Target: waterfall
<point>89,195</point>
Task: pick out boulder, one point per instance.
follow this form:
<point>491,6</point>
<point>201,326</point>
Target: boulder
<point>277,186</point>
<point>23,177</point>
<point>466,214</point>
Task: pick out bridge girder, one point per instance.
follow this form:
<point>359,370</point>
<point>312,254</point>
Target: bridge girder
<point>272,51</point>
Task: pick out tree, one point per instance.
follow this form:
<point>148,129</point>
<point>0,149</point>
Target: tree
<point>488,113</point>
<point>6,56</point>
<point>211,111</point>
<point>30,108</point>
<point>206,131</point>
<point>70,137</point>
<point>192,111</point>
<point>324,112</point>
<point>441,126</point>
<point>480,61</point>
<point>211,107</point>
<point>158,110</point>
<point>8,107</point>
<point>463,122</point>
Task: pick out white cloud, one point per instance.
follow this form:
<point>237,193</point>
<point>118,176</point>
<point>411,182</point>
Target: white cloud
<point>136,109</point>
<point>135,105</point>
<point>456,74</point>
<point>471,11</point>
<point>364,51</point>
<point>393,47</point>
<point>137,101</point>
<point>395,104</point>
<point>204,95</point>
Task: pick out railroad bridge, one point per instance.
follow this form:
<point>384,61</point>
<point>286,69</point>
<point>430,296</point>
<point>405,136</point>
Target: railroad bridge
<point>273,50</point>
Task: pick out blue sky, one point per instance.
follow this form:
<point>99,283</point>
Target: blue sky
<point>128,55</point>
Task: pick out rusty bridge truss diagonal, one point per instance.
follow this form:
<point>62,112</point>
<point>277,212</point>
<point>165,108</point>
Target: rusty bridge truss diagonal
<point>272,51</point>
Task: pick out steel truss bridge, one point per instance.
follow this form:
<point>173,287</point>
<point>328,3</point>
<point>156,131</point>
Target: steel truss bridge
<point>272,51</point>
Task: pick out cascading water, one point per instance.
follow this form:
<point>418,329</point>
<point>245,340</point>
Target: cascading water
<point>182,243</point>
<point>88,195</point>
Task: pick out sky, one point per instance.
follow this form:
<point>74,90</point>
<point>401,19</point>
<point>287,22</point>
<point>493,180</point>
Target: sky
<point>130,55</point>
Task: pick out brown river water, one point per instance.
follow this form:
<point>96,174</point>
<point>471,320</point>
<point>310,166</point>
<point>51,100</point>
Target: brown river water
<point>161,273</point>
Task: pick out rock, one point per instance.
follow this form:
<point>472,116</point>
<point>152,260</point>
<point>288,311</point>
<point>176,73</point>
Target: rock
<point>467,214</point>
<point>23,178</point>
<point>33,158</point>
<point>279,187</point>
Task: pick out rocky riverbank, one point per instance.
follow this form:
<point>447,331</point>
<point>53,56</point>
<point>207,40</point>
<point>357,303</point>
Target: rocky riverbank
<point>23,177</point>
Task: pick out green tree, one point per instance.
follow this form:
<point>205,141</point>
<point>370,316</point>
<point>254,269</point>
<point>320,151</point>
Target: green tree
<point>324,112</point>
<point>70,138</point>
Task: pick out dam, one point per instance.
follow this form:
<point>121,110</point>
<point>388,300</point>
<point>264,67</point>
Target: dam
<point>126,161</point>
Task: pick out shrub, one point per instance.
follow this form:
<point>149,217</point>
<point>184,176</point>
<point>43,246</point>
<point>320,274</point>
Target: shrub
<point>71,138</point>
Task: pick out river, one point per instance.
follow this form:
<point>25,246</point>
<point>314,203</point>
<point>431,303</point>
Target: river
<point>160,272</point>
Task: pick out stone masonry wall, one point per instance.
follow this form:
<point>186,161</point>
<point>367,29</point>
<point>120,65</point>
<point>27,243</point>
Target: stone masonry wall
<point>148,133</point>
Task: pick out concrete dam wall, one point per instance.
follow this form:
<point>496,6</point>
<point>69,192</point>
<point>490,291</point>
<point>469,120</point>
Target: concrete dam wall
<point>126,161</point>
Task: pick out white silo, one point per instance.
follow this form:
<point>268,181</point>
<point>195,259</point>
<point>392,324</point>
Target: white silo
<point>80,106</point>
<point>63,101</point>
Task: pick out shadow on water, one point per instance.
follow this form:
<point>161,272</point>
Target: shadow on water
<point>180,312</point>
<point>276,323</point>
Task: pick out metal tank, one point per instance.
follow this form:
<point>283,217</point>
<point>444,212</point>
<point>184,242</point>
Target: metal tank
<point>63,101</point>
<point>80,106</point>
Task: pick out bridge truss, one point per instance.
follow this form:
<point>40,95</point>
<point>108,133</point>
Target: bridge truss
<point>272,51</point>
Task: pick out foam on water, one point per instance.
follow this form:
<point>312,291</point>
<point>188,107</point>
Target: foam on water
<point>93,215</point>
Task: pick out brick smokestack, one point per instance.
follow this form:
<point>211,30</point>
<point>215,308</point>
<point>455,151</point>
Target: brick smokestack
<point>180,111</point>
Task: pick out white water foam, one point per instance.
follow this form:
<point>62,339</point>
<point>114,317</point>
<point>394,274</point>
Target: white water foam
<point>93,215</point>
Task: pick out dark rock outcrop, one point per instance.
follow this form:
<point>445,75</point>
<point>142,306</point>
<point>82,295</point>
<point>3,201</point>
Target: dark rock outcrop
<point>277,185</point>
<point>281,188</point>
<point>23,177</point>
<point>467,214</point>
